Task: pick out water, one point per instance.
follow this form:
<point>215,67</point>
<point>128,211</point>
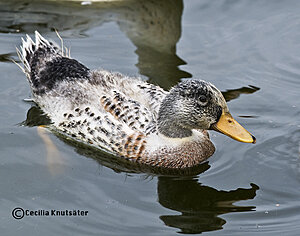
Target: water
<point>248,49</point>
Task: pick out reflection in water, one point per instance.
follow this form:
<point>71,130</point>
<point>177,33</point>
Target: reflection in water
<point>178,190</point>
<point>161,68</point>
<point>54,160</point>
<point>199,205</point>
<point>154,27</point>
<point>235,93</point>
<point>36,117</point>
<point>7,57</point>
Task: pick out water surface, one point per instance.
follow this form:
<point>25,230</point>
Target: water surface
<point>248,49</point>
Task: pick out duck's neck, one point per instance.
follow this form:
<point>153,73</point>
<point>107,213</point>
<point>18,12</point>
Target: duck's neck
<point>168,121</point>
<point>172,130</point>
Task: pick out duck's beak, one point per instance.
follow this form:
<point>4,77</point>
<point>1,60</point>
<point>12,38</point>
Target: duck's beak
<point>230,127</point>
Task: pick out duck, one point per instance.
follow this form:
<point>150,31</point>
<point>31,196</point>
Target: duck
<point>126,116</point>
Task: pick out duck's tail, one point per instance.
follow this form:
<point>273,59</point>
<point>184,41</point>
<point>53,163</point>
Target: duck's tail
<point>31,52</point>
<point>45,63</point>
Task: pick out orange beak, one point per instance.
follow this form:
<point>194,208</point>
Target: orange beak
<point>230,127</point>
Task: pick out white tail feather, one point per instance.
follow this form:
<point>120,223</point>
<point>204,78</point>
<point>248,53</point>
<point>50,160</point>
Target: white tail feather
<point>29,46</point>
<point>62,43</point>
<point>40,40</point>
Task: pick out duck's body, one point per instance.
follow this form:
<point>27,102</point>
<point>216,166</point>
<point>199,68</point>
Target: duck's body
<point>124,115</point>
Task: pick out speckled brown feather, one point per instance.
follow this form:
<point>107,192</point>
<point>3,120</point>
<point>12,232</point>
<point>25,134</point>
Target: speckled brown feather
<point>127,111</point>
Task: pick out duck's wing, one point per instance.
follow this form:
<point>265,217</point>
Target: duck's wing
<point>129,112</point>
<point>116,123</point>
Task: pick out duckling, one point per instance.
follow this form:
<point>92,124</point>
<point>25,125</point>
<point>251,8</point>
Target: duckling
<point>126,116</point>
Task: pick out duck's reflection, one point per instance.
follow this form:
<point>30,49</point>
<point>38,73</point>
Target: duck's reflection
<point>154,27</point>
<point>200,206</point>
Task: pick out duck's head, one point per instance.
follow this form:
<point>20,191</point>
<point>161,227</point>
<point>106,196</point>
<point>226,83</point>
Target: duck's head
<point>196,104</point>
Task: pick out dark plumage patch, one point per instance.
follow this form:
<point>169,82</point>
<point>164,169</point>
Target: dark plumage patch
<point>45,75</point>
<point>92,132</point>
<point>112,107</point>
<point>81,134</point>
<point>104,131</point>
<point>117,112</point>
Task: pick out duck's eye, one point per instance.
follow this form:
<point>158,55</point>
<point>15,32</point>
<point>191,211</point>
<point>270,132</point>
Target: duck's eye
<point>203,99</point>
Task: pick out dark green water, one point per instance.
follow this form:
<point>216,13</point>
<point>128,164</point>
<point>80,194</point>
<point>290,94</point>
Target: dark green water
<point>248,49</point>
